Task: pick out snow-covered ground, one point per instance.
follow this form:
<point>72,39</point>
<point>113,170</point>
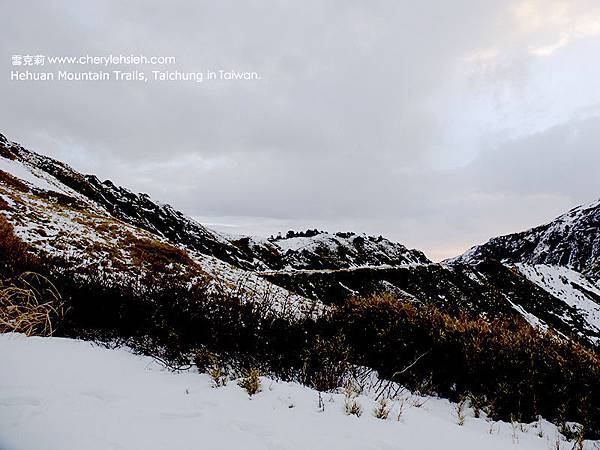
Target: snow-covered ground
<point>37,178</point>
<point>63,394</point>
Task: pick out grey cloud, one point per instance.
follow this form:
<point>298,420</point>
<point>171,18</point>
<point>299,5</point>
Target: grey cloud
<point>357,107</point>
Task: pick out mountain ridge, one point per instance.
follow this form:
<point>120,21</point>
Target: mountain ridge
<point>546,276</point>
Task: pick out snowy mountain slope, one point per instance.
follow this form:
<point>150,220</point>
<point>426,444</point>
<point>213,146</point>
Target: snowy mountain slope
<point>136,209</point>
<point>484,280</point>
<point>572,240</point>
<point>573,288</point>
<point>61,394</point>
<point>561,257</point>
<point>89,239</point>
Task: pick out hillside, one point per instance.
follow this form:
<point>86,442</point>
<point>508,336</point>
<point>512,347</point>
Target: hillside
<point>561,257</point>
<point>319,251</point>
<point>94,229</point>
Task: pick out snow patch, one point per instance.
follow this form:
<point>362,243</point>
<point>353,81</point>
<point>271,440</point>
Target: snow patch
<point>35,177</point>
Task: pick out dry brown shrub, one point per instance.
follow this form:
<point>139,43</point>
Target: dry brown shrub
<point>156,254</point>
<point>4,205</point>
<point>7,179</point>
<point>13,251</point>
<point>7,153</point>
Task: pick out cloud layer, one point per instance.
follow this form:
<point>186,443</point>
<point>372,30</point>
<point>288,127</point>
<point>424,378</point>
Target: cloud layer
<point>439,124</point>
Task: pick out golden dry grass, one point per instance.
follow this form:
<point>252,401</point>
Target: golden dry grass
<point>30,305</point>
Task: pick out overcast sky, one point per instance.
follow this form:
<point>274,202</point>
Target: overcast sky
<point>436,123</point>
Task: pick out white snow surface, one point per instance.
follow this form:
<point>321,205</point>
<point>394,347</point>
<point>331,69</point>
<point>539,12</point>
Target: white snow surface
<point>35,177</point>
<point>19,170</point>
<point>62,394</point>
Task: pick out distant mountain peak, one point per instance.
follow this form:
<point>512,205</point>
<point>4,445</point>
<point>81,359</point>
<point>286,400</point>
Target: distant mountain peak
<point>320,250</point>
<point>572,240</point>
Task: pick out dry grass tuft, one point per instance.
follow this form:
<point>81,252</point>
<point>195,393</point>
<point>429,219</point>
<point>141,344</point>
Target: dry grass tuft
<point>383,410</point>
<point>251,383</point>
<point>31,305</point>
<point>351,406</point>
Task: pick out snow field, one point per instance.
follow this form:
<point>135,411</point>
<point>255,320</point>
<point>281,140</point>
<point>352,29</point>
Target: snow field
<point>62,394</point>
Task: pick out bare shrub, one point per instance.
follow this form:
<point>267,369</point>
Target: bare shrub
<point>325,363</point>
<point>573,432</point>
<point>401,406</point>
<point>477,403</point>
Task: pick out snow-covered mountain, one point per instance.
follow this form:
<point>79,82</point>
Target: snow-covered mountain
<point>319,250</point>
<point>548,275</point>
<point>94,228</point>
<point>137,210</point>
<point>561,257</point>
<point>571,240</point>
